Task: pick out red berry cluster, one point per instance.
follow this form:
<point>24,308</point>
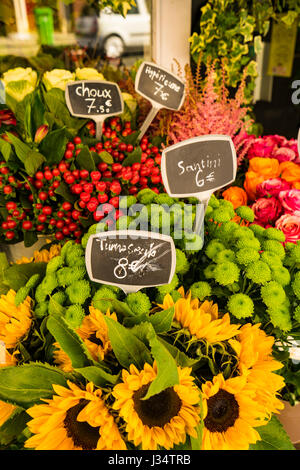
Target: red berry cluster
<point>47,213</point>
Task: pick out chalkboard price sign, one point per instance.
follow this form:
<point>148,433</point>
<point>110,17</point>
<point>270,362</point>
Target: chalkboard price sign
<point>130,259</point>
<point>94,99</point>
<point>199,166</point>
<point>159,86</point>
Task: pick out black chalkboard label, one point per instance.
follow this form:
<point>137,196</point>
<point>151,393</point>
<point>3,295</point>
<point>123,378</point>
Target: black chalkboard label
<point>159,86</point>
<point>198,166</point>
<point>131,259</point>
<point>94,98</point>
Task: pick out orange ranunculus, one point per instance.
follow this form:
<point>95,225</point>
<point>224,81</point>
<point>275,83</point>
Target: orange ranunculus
<point>290,171</point>
<point>237,196</point>
<point>252,179</point>
<point>296,185</point>
<point>268,167</point>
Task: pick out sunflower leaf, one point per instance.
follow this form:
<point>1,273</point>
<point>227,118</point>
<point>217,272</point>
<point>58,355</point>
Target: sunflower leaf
<point>161,321</point>
<point>27,384</point>
<point>126,346</point>
<point>69,341</point>
<point>98,376</point>
<point>273,437</point>
<point>13,426</point>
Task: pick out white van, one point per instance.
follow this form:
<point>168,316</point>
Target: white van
<point>112,33</point>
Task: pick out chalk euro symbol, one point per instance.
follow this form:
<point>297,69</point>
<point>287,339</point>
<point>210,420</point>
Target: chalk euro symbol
<point>108,103</point>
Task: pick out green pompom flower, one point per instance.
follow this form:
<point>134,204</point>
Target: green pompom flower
<point>78,292</point>
<point>66,276</point>
<point>21,295</point>
<point>40,294</point>
<point>280,317</point>
<point>209,271</point>
<point>41,310</point>
<point>296,285</point>
<point>281,275</point>
<point>74,315</point>
<point>258,230</point>
<point>164,198</point>
<point>59,297</point>
<point>54,263</point>
<point>295,254</point>
<point>167,288</point>
<point>84,240</point>
<point>182,264</point>
<point>243,232</point>
<point>213,202</point>
<point>226,230</point>
<point>49,283</point>
<point>224,255</point>
<point>274,247</point>
<point>192,243</point>
<point>240,305</point>
<point>273,294</point>
<point>296,313</point>
<point>213,248</point>
<point>272,233</point>
<point>246,256</point>
<point>246,243</point>
<point>32,281</point>
<point>138,302</point>
<point>102,299</point>
<point>127,201</point>
<point>200,290</point>
<point>221,215</point>
<point>271,259</point>
<point>123,222</point>
<point>258,272</point>
<point>146,196</point>
<point>226,273</point>
<point>245,213</point>
<point>73,255</point>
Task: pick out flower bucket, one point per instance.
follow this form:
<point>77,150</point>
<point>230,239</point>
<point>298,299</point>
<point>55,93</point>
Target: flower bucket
<point>290,420</point>
<point>16,251</point>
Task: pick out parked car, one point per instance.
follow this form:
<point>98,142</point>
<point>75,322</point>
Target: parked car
<point>112,33</point>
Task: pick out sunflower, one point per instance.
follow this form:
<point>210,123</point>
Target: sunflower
<point>94,333</point>
<point>6,359</point>
<point>74,419</point>
<point>200,319</point>
<point>15,322</point>
<point>41,256</point>
<point>256,362</point>
<point>230,414</point>
<point>165,418</point>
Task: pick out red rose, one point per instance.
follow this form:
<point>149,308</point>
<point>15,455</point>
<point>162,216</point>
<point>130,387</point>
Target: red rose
<point>290,200</point>
<point>272,187</point>
<point>290,225</point>
<point>267,210</point>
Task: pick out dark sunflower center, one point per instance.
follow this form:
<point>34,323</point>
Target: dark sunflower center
<point>157,410</point>
<point>82,434</point>
<point>222,411</point>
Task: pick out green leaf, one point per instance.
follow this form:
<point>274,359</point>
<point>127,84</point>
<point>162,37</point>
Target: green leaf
<point>4,264</point>
<point>133,157</point>
<point>17,275</point>
<point>22,150</point>
<point>126,346</point>
<point>161,321</point>
<point>98,376</point>
<point>63,190</point>
<point>196,442</point>
<point>27,384</point>
<point>13,426</point>
<point>180,358</point>
<point>5,149</point>
<point>131,138</point>
<point>33,162</point>
<point>53,146</point>
<point>106,157</point>
<point>167,373</point>
<point>273,437</point>
<point>122,308</point>
<point>30,237</point>
<point>85,159</point>
<point>69,341</point>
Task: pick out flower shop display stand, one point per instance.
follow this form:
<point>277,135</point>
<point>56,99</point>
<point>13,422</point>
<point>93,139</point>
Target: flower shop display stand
<point>16,251</point>
<point>290,420</point>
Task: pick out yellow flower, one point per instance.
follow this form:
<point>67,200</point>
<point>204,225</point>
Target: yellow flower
<point>254,350</point>
<point>6,359</point>
<point>57,78</point>
<point>201,319</point>
<point>230,414</point>
<point>88,73</point>
<point>73,419</point>
<point>41,256</point>
<point>94,333</point>
<point>15,322</point>
<point>162,420</point>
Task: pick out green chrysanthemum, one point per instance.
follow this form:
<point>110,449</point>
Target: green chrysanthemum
<point>167,288</point>
<point>21,295</point>
<point>281,275</point>
<point>245,213</point>
<point>246,256</point>
<point>274,247</point>
<point>49,283</point>
<point>59,297</point>
<point>192,243</point>
<point>123,222</point>
<point>295,254</point>
<point>32,281</point>
<point>226,231</point>
<point>296,285</point>
<point>164,198</point>
<point>272,233</point>
<point>271,259</point>
<point>240,305</point>
<point>127,201</point>
<point>138,302</point>
<point>213,202</point>
<point>213,248</point>
<point>280,317</point>
<point>102,299</point>
<point>209,271</point>
<point>182,264</point>
<point>224,255</point>
<point>258,272</point>
<point>258,230</point>
<point>67,275</point>
<point>78,292</point>
<point>73,255</point>
<point>146,196</point>
<point>247,243</point>
<point>226,273</point>
<point>74,315</point>
<point>221,215</point>
<point>54,264</point>
<point>273,294</point>
<point>40,294</point>
<point>41,310</point>
<point>296,313</point>
<point>200,290</point>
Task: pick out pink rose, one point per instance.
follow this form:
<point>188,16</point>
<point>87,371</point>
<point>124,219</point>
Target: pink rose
<point>290,200</point>
<point>290,225</point>
<point>284,154</point>
<point>260,148</point>
<point>272,187</point>
<point>266,210</point>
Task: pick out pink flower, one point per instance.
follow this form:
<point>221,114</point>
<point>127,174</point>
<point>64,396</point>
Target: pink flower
<point>290,225</point>
<point>260,148</point>
<point>272,187</point>
<point>290,200</point>
<point>266,210</point>
<point>284,154</point>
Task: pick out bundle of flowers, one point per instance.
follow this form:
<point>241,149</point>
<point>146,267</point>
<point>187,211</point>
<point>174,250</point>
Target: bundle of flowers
<point>139,375</point>
<point>271,184</point>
